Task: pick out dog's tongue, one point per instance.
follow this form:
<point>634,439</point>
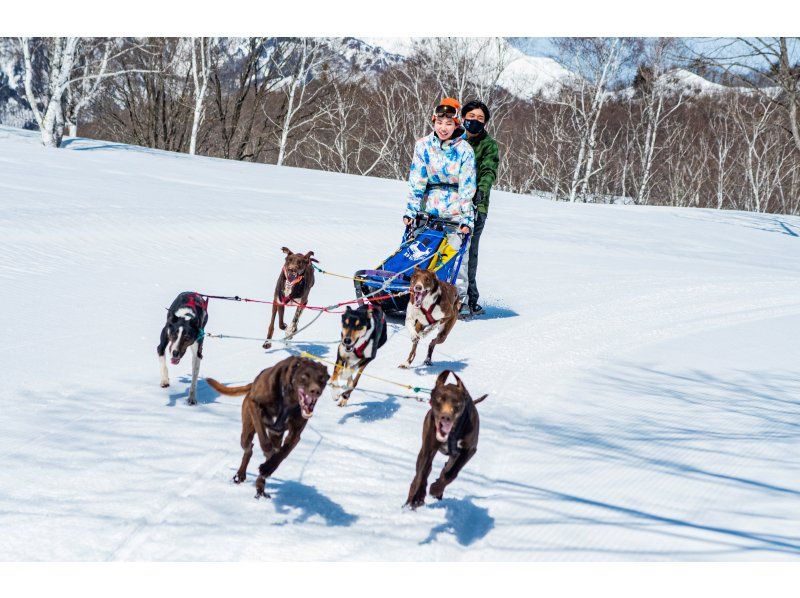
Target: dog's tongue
<point>306,404</point>
<point>445,427</point>
<point>175,360</point>
<point>418,297</point>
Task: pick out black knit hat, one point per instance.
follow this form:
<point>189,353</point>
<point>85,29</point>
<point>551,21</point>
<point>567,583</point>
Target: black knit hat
<point>475,104</point>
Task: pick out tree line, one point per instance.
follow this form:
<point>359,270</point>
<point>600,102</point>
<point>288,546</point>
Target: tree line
<point>623,127</point>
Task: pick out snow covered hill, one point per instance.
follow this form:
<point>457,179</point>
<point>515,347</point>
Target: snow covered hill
<point>524,75</point>
<point>641,364</point>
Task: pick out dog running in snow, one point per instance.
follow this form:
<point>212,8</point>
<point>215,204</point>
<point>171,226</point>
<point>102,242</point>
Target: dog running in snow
<point>363,333</point>
<point>185,328</point>
<point>281,399</point>
<point>451,427</point>
<point>293,286</point>
<point>433,304</point>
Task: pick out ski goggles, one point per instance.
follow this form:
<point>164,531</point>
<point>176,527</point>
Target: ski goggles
<point>445,111</point>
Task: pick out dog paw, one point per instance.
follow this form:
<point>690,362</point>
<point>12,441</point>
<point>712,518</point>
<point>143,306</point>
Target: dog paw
<point>282,326</point>
<point>427,362</point>
<point>261,494</point>
<point>191,401</point>
<point>237,479</point>
<point>342,403</point>
<point>267,344</point>
<point>415,503</point>
<point>164,384</point>
<point>404,366</point>
<point>437,490</point>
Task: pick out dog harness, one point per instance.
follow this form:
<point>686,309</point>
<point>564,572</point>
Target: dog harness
<point>288,287</point>
<point>195,301</point>
<point>377,325</point>
<point>279,425</point>
<point>429,312</point>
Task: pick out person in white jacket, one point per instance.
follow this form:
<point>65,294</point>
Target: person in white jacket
<point>443,180</point>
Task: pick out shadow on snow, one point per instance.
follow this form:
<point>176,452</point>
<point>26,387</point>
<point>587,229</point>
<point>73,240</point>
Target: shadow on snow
<point>466,521</point>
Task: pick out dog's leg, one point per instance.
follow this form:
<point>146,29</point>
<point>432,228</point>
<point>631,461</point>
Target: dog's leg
<point>352,383</point>
<point>248,432</point>
<point>430,352</point>
<point>281,310</point>
<point>335,384</point>
<point>293,327</point>
<point>415,336</point>
<point>450,471</point>
<point>444,330</point>
<point>269,466</point>
<point>195,347</point>
<point>255,416</point>
<point>416,494</point>
<point>162,359</point>
<point>261,480</point>
<point>271,330</point>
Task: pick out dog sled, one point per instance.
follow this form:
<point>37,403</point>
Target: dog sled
<point>424,244</point>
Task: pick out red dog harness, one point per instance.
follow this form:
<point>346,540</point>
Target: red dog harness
<point>429,312</point>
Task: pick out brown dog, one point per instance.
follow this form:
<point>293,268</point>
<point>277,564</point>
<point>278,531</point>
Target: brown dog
<point>433,303</point>
<point>281,398</point>
<point>450,427</point>
<point>293,286</point>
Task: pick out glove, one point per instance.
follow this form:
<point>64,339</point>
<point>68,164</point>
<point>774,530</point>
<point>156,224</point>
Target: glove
<point>477,198</point>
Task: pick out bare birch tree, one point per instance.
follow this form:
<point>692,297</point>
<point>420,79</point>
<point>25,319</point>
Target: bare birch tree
<point>202,49</point>
<point>46,99</point>
<point>304,85</point>
<point>595,62</point>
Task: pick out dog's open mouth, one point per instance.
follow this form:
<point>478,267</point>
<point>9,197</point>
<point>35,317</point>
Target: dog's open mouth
<point>419,297</point>
<point>443,428</point>
<point>307,404</point>
<point>175,360</point>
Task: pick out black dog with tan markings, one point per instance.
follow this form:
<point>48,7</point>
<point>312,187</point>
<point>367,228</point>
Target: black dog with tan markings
<point>363,333</point>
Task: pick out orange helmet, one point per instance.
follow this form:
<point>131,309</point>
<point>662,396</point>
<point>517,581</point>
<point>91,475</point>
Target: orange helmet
<point>448,107</point>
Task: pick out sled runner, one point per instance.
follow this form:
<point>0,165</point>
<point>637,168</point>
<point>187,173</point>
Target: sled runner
<point>425,245</point>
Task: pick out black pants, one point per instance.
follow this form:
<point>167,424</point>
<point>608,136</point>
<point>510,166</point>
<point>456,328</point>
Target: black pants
<point>472,291</point>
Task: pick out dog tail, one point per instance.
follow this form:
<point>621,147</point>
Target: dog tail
<point>476,401</point>
<point>228,390</point>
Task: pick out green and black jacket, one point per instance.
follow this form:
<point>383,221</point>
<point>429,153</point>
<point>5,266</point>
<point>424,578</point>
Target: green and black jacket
<point>486,161</point>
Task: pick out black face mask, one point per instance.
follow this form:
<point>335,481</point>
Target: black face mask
<point>473,126</point>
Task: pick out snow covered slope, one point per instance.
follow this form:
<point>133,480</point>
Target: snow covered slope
<point>641,365</point>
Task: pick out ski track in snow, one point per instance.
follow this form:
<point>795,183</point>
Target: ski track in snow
<point>640,364</point>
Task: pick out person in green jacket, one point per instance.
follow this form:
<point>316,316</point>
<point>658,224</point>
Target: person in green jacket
<point>475,115</point>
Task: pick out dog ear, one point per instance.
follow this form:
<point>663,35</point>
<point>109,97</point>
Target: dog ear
<point>348,309</point>
<point>286,250</point>
<point>309,258</point>
<point>459,383</point>
<point>442,378</point>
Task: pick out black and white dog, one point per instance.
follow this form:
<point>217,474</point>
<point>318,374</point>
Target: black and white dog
<point>363,333</point>
<point>185,329</point>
